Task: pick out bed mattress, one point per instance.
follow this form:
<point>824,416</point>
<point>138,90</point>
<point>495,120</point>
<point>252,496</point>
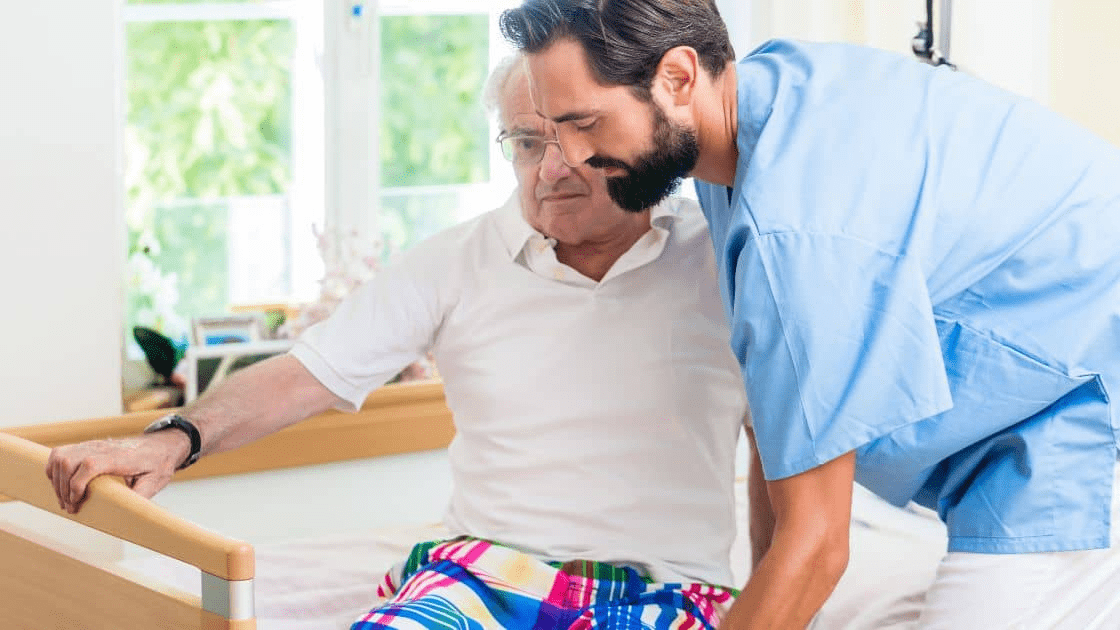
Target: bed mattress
<point>325,582</point>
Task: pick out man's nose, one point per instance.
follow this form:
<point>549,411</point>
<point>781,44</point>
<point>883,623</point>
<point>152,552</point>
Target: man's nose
<point>553,166</point>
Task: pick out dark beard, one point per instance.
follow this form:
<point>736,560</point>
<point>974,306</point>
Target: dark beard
<point>657,174</point>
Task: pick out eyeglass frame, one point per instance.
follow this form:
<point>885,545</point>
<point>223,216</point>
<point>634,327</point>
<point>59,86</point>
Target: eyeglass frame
<point>504,136</point>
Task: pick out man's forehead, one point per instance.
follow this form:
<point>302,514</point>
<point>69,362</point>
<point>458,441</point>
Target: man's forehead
<point>518,115</point>
<point>524,124</point>
<point>560,81</point>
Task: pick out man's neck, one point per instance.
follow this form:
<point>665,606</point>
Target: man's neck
<point>594,258</point>
<point>717,115</point>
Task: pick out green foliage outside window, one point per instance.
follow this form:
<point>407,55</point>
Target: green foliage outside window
<point>433,128</point>
<point>208,116</point>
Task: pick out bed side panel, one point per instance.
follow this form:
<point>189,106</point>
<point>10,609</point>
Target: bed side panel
<point>45,589</point>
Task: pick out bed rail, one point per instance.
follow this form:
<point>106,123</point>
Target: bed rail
<point>395,419</point>
<point>113,508</point>
<point>45,585</point>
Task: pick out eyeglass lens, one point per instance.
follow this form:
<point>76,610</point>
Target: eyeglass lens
<point>528,149</point>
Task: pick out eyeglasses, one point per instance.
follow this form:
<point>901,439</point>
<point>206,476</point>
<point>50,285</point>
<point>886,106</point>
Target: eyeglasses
<point>527,149</point>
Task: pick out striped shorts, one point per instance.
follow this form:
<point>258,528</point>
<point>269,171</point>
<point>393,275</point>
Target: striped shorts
<point>472,584</point>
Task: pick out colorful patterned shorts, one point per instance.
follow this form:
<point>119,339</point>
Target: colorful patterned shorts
<point>471,584</point>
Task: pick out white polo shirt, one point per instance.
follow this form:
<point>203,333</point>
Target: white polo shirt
<point>594,420</point>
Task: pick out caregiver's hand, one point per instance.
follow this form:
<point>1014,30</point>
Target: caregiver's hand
<point>145,462</point>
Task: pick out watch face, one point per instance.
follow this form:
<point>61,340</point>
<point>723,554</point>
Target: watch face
<point>159,425</point>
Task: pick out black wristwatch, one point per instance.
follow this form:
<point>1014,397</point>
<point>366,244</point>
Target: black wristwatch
<point>175,421</point>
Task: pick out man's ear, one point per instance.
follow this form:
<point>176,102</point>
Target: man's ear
<point>677,74</point>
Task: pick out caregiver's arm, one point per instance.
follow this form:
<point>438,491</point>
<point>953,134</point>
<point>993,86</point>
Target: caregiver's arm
<point>808,552</point>
<point>758,499</point>
<point>252,403</point>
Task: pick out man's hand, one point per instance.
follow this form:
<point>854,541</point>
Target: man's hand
<point>146,463</point>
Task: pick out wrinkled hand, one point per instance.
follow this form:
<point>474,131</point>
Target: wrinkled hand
<point>146,463</point>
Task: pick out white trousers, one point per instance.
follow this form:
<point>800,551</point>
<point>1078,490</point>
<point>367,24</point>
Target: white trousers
<point>1069,590</point>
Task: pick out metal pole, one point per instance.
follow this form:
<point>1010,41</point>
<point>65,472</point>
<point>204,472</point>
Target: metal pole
<point>945,25</point>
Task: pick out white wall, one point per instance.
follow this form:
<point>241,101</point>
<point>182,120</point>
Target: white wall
<point>1059,53</point>
<point>61,244</point>
<point>737,16</point>
<point>1084,81</point>
<point>1006,42</point>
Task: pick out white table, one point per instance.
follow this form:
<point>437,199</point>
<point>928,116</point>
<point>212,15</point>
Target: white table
<point>228,353</point>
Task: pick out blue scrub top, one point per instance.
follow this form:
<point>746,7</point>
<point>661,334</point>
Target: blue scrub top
<point>925,269</point>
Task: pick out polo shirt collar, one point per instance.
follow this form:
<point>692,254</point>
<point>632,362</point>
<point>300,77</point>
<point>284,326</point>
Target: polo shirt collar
<point>516,231</point>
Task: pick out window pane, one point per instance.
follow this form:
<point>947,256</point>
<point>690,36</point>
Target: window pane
<point>228,251</point>
<point>409,215</point>
<point>434,127</point>
<point>434,131</point>
<point>208,141</point>
<point>209,108</point>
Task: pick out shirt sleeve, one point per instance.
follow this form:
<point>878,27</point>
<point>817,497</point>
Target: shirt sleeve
<point>837,343</point>
<point>379,329</point>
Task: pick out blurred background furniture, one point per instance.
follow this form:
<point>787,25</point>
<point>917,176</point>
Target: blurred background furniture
<point>204,366</point>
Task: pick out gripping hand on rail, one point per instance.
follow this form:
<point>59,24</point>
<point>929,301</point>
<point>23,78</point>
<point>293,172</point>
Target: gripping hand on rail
<point>146,463</point>
<point>254,402</point>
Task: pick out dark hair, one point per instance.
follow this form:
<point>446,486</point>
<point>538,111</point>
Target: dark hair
<point>624,39</point>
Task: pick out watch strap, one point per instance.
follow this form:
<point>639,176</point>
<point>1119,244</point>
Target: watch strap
<point>176,421</point>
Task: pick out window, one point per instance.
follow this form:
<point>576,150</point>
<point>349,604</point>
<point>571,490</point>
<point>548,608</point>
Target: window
<point>247,123</point>
<point>435,140</point>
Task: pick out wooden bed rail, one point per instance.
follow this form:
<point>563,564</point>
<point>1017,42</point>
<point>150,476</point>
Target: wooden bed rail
<point>114,509</point>
<point>397,418</point>
<point>46,584</point>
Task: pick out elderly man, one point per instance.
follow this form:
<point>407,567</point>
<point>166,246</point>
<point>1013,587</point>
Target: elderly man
<point>923,282</point>
<point>596,404</point>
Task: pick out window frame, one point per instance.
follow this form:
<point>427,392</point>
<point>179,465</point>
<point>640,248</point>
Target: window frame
<point>336,176</point>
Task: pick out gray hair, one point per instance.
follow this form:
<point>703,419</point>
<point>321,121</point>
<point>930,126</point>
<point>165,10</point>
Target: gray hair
<point>496,83</point>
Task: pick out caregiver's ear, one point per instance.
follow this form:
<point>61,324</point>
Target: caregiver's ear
<point>677,73</point>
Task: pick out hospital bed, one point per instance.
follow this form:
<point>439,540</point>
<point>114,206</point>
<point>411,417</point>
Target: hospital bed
<point>153,568</point>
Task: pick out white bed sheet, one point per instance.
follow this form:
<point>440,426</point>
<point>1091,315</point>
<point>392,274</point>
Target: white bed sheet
<point>324,583</point>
